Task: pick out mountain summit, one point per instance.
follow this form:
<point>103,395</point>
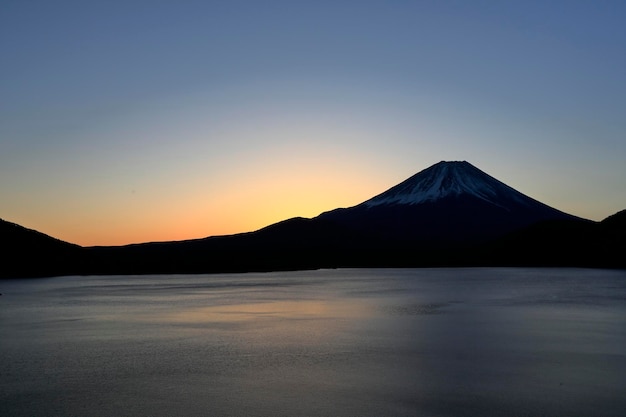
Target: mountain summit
<point>448,179</point>
<point>447,203</point>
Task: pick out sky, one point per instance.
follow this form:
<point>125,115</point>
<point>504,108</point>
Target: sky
<point>134,121</point>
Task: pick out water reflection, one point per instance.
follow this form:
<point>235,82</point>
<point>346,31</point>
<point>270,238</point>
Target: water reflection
<point>287,310</point>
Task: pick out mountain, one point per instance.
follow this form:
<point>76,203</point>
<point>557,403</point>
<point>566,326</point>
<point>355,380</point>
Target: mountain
<point>450,214</point>
<point>447,204</point>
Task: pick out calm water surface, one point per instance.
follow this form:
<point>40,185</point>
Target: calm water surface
<point>362,342</point>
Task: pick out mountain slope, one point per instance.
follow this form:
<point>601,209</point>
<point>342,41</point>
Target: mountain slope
<point>292,244</point>
<point>447,204</point>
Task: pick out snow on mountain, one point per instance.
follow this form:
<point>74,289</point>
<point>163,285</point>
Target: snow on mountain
<point>448,179</point>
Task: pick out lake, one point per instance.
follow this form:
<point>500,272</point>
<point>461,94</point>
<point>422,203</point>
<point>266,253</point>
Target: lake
<point>346,342</point>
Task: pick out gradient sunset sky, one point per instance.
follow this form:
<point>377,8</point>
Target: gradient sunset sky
<point>133,121</point>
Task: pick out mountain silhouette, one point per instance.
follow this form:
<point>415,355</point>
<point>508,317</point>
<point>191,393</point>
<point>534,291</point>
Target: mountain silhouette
<point>450,214</point>
<point>27,252</point>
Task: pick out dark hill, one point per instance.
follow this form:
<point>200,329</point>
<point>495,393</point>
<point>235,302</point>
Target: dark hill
<point>29,253</point>
<point>562,243</point>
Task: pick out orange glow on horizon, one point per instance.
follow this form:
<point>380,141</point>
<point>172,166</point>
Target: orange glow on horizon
<point>250,201</point>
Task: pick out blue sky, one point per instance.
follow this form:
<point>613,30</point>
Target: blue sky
<point>130,121</point>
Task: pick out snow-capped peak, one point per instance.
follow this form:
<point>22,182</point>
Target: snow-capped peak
<point>447,179</point>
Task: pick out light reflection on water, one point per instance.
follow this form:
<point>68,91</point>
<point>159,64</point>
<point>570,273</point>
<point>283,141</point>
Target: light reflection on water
<point>423,342</point>
<point>285,310</point>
